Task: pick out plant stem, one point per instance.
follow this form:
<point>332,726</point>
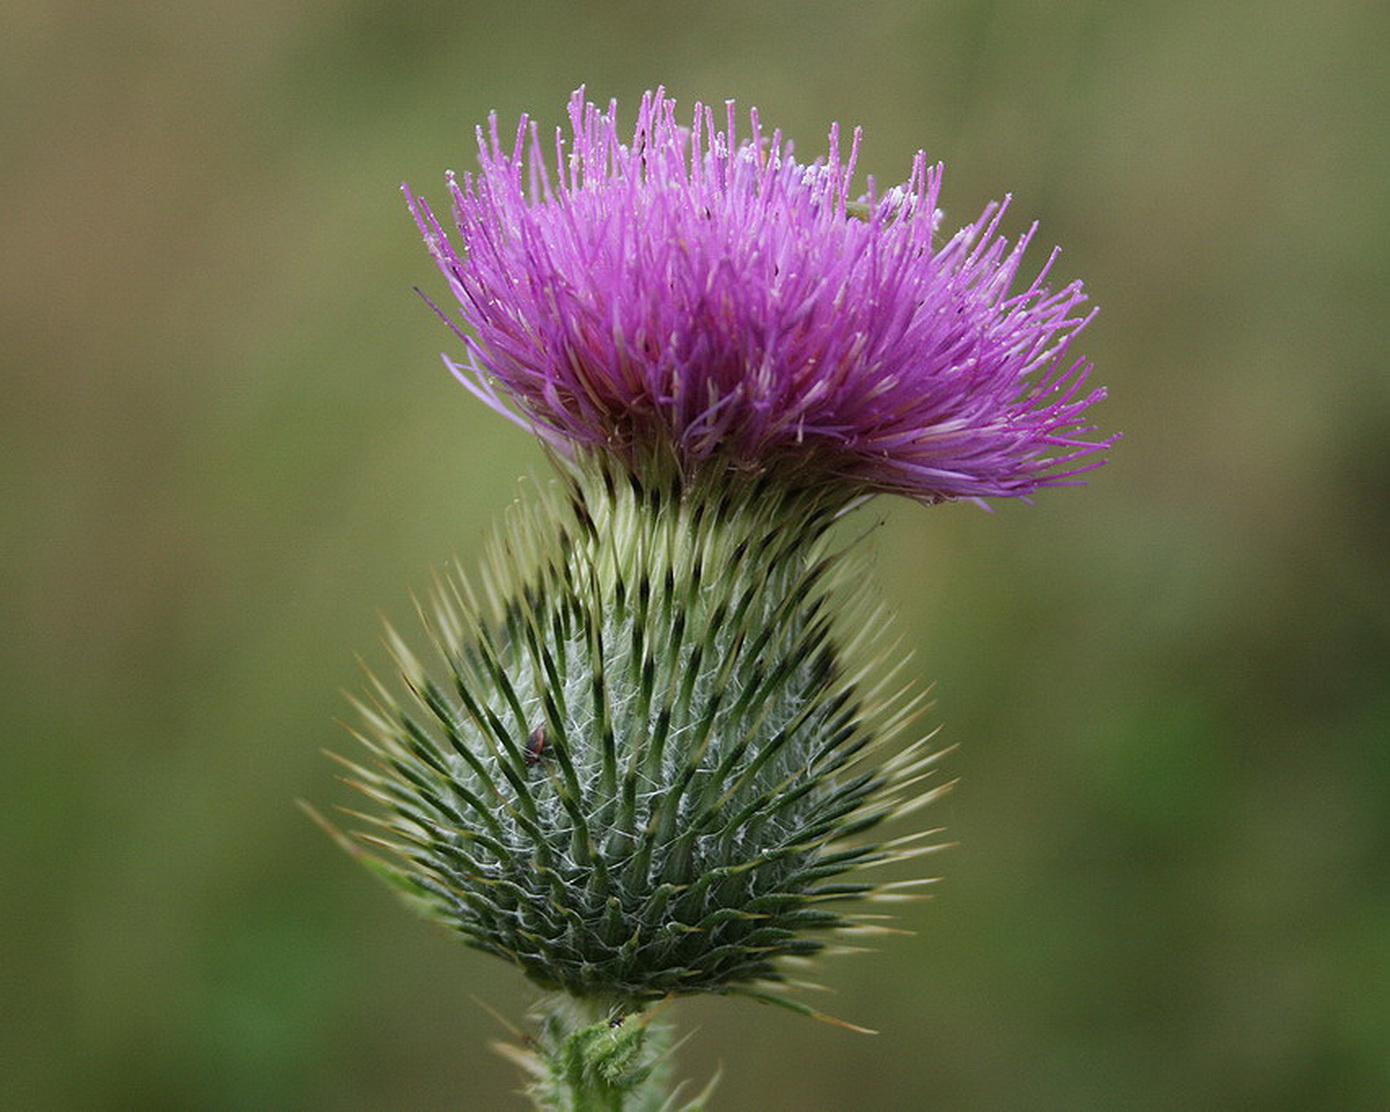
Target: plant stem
<point>588,1056</point>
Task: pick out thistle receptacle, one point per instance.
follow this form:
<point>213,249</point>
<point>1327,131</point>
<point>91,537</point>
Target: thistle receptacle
<point>646,744</point>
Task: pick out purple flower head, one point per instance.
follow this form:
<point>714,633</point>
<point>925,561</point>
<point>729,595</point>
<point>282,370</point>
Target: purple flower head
<point>693,292</point>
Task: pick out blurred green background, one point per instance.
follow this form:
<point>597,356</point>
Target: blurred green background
<point>228,444</point>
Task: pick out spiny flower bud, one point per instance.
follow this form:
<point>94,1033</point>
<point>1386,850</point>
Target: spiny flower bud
<point>643,751</point>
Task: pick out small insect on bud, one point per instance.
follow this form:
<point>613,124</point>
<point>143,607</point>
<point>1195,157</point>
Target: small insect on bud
<point>535,744</point>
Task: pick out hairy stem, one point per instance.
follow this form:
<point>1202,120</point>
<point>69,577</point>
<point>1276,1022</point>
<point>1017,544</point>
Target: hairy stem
<point>590,1057</point>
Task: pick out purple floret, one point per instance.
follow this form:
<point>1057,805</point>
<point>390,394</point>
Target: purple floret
<point>693,293</point>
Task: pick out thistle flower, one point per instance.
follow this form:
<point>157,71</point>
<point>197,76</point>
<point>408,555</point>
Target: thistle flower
<point>646,752</point>
<point>712,297</point>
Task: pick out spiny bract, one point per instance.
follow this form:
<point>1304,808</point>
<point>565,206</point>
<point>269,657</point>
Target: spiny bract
<point>647,743</point>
